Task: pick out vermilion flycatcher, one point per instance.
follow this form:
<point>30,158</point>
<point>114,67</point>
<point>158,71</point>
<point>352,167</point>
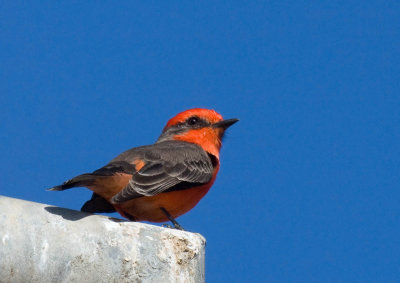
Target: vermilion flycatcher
<point>162,181</point>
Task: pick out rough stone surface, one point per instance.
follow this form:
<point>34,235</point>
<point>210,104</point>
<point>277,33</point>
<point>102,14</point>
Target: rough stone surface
<point>43,243</point>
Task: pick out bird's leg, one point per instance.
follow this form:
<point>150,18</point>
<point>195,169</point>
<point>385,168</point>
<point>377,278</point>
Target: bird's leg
<point>176,224</point>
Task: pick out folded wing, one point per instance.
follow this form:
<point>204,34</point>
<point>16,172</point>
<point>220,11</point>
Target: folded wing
<point>168,166</point>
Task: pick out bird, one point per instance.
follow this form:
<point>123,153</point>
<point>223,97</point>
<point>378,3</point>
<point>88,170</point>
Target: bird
<point>161,181</point>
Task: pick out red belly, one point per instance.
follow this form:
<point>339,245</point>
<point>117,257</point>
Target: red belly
<point>176,203</point>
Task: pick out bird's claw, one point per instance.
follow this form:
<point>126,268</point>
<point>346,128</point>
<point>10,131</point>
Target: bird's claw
<point>176,226</point>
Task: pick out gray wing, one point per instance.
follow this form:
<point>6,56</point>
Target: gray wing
<point>169,166</point>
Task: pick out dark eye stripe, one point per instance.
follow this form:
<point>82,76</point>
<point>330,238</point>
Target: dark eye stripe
<point>184,126</point>
<point>196,122</point>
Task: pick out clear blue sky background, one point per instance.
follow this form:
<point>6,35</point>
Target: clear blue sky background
<point>308,189</point>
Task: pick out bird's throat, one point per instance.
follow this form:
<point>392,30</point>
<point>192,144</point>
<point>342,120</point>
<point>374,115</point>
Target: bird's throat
<point>207,138</point>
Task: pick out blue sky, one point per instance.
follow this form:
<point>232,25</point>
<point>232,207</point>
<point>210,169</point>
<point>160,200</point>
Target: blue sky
<point>308,189</point>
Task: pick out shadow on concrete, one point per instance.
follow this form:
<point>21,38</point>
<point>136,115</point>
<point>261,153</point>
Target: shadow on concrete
<point>118,219</point>
<point>68,214</point>
<point>75,215</point>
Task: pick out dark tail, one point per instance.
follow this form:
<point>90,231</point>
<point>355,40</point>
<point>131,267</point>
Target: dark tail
<point>78,181</point>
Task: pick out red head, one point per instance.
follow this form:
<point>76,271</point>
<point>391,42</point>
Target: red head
<point>200,126</point>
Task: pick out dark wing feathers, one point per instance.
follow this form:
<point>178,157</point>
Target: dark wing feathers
<point>136,190</point>
<point>114,167</point>
<point>167,164</point>
<point>152,169</point>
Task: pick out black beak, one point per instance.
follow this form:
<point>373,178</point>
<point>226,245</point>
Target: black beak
<point>224,124</point>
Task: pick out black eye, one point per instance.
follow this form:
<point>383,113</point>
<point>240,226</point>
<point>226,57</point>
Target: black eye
<point>193,121</point>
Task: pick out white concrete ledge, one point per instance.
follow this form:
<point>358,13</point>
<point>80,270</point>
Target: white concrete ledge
<point>43,243</point>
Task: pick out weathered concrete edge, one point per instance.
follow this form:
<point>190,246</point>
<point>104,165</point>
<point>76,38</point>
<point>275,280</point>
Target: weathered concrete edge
<point>44,243</point>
